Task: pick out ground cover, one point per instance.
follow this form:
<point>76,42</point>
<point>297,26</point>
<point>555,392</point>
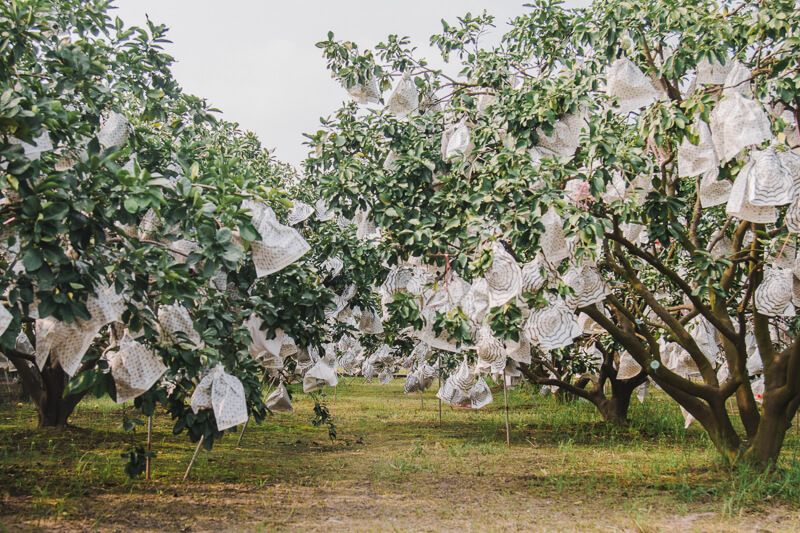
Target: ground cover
<point>393,468</point>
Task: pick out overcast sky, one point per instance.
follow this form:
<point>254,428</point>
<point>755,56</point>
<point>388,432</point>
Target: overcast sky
<point>256,61</point>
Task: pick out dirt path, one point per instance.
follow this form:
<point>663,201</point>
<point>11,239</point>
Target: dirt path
<point>366,506</point>
<point>392,469</point>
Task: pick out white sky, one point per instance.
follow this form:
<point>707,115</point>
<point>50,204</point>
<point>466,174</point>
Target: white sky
<point>256,60</point>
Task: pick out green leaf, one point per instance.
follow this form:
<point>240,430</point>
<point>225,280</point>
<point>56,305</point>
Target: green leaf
<point>249,233</point>
<point>224,235</point>
<point>32,259</point>
<point>82,382</point>
<point>206,233</point>
<point>55,211</point>
<point>232,254</point>
<point>158,182</point>
<point>131,205</point>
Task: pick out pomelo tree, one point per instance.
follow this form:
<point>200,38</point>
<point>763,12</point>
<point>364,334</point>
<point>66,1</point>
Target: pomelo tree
<point>139,233</point>
<point>628,168</point>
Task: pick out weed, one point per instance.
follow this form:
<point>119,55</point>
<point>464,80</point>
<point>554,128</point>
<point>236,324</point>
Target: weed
<point>750,487</point>
<point>137,461</point>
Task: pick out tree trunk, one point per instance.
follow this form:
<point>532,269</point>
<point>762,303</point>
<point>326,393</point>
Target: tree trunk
<point>46,389</point>
<point>57,408</point>
<point>712,415</point>
<point>748,408</point>
<point>614,410</point>
<point>721,431</point>
<point>766,446</point>
<point>776,419</point>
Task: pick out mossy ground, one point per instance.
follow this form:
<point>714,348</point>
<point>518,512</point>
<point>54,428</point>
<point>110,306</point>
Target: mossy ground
<point>393,468</point>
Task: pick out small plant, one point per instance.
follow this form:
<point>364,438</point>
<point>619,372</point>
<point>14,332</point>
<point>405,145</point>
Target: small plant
<point>137,461</point>
<point>129,424</point>
<point>322,416</point>
<point>136,456</point>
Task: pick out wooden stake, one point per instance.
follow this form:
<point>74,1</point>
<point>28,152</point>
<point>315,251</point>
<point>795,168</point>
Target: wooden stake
<point>149,440</point>
<point>191,463</point>
<point>421,405</point>
<point>335,391</point>
<point>505,398</point>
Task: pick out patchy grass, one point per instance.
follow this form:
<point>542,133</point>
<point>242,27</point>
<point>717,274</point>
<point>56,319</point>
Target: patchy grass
<point>394,468</point>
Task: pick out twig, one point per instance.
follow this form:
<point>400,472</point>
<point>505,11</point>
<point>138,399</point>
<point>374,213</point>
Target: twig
<point>720,236</point>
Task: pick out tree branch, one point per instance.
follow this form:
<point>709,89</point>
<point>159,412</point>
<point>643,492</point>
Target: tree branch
<point>572,389</point>
<point>760,322</point>
<point>675,278</point>
<point>661,374</point>
<point>675,327</point>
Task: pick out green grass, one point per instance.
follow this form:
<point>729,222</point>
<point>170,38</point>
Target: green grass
<point>392,459</point>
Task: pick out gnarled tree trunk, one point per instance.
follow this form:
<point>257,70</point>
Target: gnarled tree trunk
<point>613,409</point>
<point>777,412</point>
<point>46,388</point>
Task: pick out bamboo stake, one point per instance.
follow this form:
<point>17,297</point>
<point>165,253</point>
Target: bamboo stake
<point>505,399</point>
<point>191,463</point>
<point>238,442</point>
<point>149,440</point>
<point>439,364</point>
<point>269,388</point>
<point>271,383</point>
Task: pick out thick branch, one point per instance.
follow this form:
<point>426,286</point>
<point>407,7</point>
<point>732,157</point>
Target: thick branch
<point>30,375</point>
<point>651,340</point>
<point>698,210</point>
<point>760,322</point>
<point>18,355</point>
<point>724,329</point>
<point>572,389</point>
<point>660,373</point>
<point>675,327</point>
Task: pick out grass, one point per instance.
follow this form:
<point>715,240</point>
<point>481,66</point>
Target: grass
<point>394,468</point>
